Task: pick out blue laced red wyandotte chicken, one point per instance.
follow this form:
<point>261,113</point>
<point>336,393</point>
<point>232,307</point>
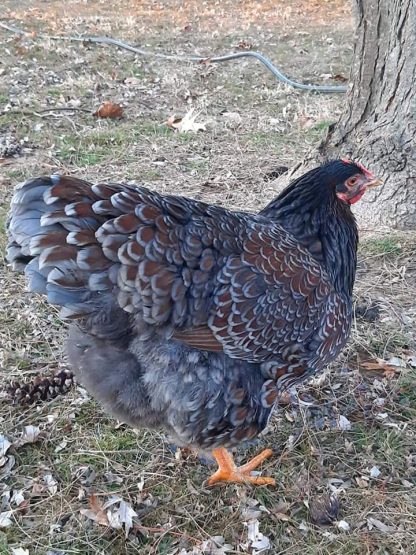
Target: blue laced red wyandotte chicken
<point>187,317</point>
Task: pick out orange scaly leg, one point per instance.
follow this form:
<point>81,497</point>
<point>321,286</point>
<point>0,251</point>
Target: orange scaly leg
<point>229,472</point>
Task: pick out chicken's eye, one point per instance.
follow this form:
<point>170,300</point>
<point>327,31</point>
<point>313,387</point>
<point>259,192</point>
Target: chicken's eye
<point>352,181</point>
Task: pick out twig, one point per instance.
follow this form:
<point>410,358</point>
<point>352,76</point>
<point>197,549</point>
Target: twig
<point>201,59</point>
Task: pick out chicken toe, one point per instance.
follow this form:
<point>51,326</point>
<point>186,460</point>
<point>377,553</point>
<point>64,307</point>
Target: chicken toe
<point>229,472</point>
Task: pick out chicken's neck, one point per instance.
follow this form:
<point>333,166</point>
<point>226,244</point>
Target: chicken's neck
<point>327,229</point>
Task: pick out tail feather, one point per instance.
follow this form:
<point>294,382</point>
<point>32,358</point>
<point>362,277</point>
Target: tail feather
<point>50,220</point>
<point>37,278</point>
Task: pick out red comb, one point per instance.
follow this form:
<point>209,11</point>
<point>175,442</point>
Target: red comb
<point>366,172</point>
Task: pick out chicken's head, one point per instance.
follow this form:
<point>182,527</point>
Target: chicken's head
<point>354,180</point>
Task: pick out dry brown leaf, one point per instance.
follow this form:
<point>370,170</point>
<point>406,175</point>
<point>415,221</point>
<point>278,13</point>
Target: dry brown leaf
<point>186,124</point>
<point>173,122</point>
<point>380,365</point>
<point>245,45</point>
<point>109,514</point>
<point>133,82</point>
<point>362,482</point>
<point>109,110</point>
<point>340,78</point>
<point>96,512</point>
<point>282,516</point>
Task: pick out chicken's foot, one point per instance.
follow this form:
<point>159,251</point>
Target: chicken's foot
<point>229,472</point>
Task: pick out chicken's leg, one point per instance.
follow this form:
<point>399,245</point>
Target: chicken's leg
<point>229,472</point>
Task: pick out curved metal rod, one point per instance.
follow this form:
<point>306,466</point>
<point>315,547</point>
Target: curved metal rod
<point>227,57</point>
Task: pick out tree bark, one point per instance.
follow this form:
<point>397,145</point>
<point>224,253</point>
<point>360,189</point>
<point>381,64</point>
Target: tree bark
<point>378,127</point>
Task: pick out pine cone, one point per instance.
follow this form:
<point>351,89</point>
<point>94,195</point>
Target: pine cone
<point>41,388</point>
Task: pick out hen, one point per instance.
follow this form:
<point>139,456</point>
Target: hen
<point>189,317</point>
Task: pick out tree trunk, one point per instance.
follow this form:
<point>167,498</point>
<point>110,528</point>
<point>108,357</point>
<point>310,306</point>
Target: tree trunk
<point>378,127</point>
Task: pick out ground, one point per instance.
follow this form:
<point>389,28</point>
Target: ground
<point>350,433</point>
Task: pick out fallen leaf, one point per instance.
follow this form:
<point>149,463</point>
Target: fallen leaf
<point>30,435</point>
<point>18,497</point>
<point>375,523</point>
<point>61,446</point>
<point>215,545</point>
<point>113,513</point>
<point>282,517</point>
<point>384,366</point>
<point>5,520</point>
<point>133,82</point>
<point>250,514</point>
<point>85,474</point>
<point>173,122</point>
<point>96,512</point>
<point>186,124</point>
<point>343,525</point>
<point>375,472</point>
<point>303,526</point>
<point>126,514</point>
<point>112,478</point>
<point>257,542</point>
<point>343,423</point>
<point>244,45</point>
<point>4,446</point>
<point>362,482</point>
<point>50,483</point>
<point>340,78</point>
<point>109,110</point>
<point>24,506</point>
<point>396,361</point>
<point>6,468</point>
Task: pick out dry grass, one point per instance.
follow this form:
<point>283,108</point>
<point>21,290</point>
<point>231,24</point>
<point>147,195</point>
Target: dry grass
<point>254,125</point>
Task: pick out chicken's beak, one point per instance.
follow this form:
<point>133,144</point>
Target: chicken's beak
<point>373,183</point>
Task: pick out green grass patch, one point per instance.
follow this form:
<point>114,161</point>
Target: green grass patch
<point>322,125</point>
<point>265,139</point>
<point>54,92</point>
<point>381,246</point>
<point>150,175</point>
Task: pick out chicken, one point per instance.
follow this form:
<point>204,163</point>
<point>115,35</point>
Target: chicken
<point>187,317</point>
